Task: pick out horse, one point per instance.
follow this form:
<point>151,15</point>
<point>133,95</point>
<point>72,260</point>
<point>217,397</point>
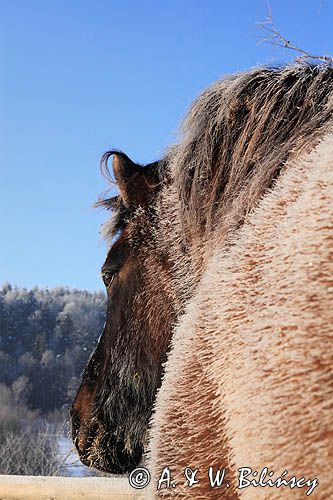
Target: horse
<point>217,348</point>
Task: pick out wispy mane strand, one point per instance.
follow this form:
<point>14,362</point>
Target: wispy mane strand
<point>238,135</point>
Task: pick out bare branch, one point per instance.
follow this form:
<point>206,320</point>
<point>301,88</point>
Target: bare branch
<point>274,37</point>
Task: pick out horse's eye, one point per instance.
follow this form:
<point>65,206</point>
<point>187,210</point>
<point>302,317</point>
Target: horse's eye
<point>108,277</point>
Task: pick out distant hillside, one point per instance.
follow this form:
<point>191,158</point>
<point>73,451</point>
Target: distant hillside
<point>46,338</point>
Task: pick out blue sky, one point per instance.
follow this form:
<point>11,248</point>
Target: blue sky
<point>79,77</point>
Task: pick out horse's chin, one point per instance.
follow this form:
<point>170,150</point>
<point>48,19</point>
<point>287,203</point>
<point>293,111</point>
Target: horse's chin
<point>115,459</point>
<point>104,465</point>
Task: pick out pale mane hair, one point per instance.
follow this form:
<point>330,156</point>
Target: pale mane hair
<point>237,137</point>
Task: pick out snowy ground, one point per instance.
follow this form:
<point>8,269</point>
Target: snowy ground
<point>72,467</point>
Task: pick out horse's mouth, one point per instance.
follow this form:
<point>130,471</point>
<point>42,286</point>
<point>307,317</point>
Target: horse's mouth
<point>105,451</point>
<point>115,461</point>
<point>121,463</point>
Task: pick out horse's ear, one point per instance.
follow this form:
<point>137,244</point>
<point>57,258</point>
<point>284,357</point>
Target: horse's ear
<point>137,184</point>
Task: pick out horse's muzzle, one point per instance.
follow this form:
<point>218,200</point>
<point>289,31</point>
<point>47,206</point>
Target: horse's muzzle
<point>100,450</point>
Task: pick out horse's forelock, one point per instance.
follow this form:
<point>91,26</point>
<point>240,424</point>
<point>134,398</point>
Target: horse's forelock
<point>119,219</point>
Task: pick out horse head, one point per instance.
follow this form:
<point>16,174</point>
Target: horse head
<point>113,405</point>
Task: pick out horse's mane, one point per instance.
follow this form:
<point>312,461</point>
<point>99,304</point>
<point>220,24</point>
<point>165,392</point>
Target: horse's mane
<point>237,136</point>
<point>235,140</point>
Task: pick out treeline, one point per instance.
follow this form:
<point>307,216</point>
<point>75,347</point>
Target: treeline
<point>46,338</point>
